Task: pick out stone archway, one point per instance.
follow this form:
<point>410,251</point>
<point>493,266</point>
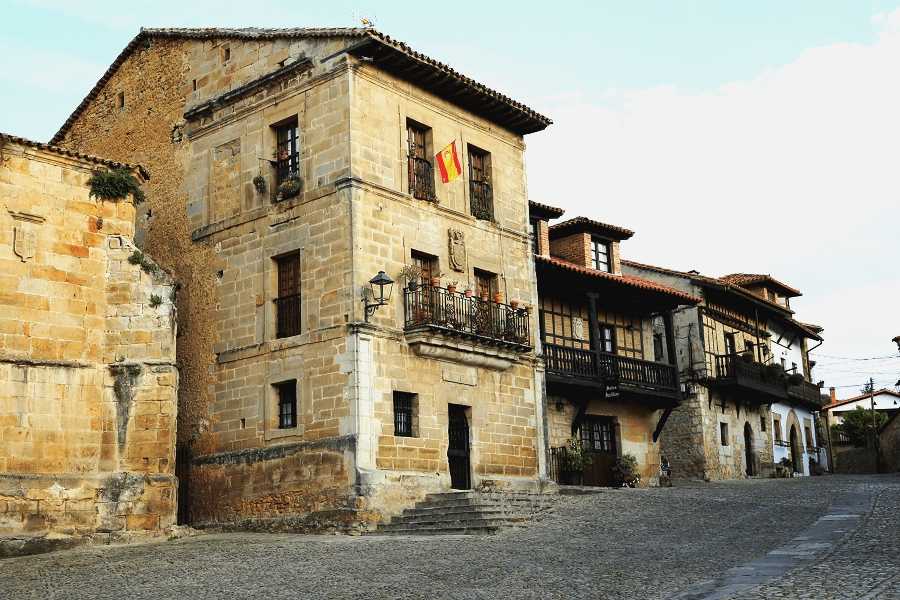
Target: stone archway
<point>749,455</point>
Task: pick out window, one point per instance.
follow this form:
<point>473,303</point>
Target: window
<point>657,347</point>
<point>783,363</point>
<point>287,403</point>
<point>404,414</point>
<point>762,422</point>
<point>536,236</point>
<point>607,341</point>
<point>598,435</point>
<point>600,254</point>
<point>287,303</point>
<point>748,347</point>
<point>809,439</point>
<point>428,264</point>
<point>287,152</point>
<point>120,100</point>
<point>723,433</point>
<point>226,54</point>
<point>421,172</point>
<point>481,197</point>
<point>729,344</point>
<point>793,367</point>
<point>485,284</point>
<point>776,428</point>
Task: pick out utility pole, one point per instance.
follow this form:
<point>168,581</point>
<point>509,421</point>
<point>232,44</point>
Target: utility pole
<point>875,440</point>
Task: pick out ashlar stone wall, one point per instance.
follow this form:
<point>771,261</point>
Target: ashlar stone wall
<point>87,347</point>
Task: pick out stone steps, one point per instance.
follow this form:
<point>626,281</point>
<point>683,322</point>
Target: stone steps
<point>467,512</point>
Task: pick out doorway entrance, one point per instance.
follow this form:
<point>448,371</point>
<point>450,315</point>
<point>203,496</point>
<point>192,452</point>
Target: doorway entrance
<point>796,451</point>
<point>749,458</point>
<point>458,448</point>
<point>598,440</point>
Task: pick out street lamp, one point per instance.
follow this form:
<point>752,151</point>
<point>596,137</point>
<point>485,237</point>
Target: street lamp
<point>896,340</point>
<point>380,281</point>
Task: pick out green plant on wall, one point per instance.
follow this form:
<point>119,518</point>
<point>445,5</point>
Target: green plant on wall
<point>115,184</point>
<point>155,301</point>
<point>138,258</point>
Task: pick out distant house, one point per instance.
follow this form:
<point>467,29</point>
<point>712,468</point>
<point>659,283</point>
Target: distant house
<point>886,401</point>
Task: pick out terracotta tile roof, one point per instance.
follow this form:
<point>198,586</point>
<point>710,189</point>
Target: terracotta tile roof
<point>745,279</point>
<point>522,119</point>
<point>626,280</point>
<point>862,397</point>
<point>589,225</point>
<point>545,210</point>
<point>14,139</point>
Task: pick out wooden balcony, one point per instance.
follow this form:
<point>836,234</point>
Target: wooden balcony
<point>612,371</point>
<point>808,394</point>
<point>754,380</point>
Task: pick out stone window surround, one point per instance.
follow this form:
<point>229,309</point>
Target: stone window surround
<point>414,412</point>
<point>271,431</point>
<point>723,434</point>
<point>271,293</point>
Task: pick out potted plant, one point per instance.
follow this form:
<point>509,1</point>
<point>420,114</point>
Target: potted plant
<point>747,357</point>
<point>625,471</point>
<point>795,379</point>
<point>575,459</point>
<point>498,297</point>
<point>412,274</point>
<point>436,280</point>
<point>259,182</point>
<point>451,286</point>
<point>468,292</point>
<point>289,188</point>
<point>774,371</point>
<point>514,303</point>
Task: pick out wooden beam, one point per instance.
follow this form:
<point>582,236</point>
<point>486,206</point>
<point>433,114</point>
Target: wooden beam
<point>661,423</point>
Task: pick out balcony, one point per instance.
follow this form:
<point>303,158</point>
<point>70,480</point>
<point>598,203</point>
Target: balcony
<point>766,383</point>
<point>421,179</point>
<point>453,326</point>
<point>807,393</point>
<point>613,371</point>
<point>481,200</point>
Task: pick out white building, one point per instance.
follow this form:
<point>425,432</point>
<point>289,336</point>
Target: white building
<point>885,400</point>
<point>792,420</point>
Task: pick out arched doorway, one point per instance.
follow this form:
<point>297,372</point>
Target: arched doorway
<point>796,450</point>
<point>748,451</point>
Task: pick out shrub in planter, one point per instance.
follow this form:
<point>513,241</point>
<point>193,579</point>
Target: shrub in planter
<point>795,379</point>
<point>625,471</point>
<point>289,188</point>
<point>774,371</point>
<point>412,274</point>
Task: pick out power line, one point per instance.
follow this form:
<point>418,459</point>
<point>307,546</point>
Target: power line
<point>856,358</point>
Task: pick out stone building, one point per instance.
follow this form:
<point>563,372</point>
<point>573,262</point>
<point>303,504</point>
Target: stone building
<point>290,167</point>
<point>724,427</point>
<point>609,382</point>
<point>88,384</point>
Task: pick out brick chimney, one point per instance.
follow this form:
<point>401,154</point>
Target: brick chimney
<point>833,394</point>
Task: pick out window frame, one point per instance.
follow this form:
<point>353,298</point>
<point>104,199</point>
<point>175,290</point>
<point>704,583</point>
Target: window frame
<point>283,302</point>
<point>493,282</point>
<point>595,245</point>
<point>286,395</point>
<point>287,161</point>
<point>481,189</point>
<point>607,340</point>
<point>427,263</point>
<point>723,434</point>
<point>417,150</point>
<point>405,404</point>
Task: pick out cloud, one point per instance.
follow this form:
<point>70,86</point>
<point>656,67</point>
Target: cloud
<point>793,172</point>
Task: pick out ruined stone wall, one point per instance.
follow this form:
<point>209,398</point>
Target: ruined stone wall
<point>87,376</point>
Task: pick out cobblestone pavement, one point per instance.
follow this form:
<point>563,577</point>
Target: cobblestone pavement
<point>619,544</point>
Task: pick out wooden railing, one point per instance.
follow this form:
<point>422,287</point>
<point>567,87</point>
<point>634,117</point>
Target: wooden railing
<point>738,370</point>
<point>613,368</point>
<point>808,392</point>
<point>456,313</point>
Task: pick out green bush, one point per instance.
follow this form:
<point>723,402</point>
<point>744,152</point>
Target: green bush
<point>115,184</point>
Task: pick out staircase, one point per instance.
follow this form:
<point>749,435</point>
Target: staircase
<point>466,512</point>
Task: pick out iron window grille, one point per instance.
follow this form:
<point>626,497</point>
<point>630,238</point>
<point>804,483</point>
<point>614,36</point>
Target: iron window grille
<point>287,304</point>
<point>403,414</point>
<point>481,195</point>
<point>287,404</point>
<point>287,152</point>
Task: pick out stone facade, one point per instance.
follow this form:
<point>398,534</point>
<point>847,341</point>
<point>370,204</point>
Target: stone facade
<point>216,219</point>
<point>88,383</point>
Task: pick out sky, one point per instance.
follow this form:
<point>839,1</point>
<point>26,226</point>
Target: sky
<point>755,137</point>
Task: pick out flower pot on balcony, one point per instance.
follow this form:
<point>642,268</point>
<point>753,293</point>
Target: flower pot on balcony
<point>468,293</point>
<point>435,282</point>
<point>498,297</point>
<point>514,304</point>
<point>747,357</point>
<point>795,379</point>
<point>774,371</point>
<point>451,287</point>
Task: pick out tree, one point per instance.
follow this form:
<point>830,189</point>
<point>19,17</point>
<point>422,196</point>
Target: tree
<point>859,424</point>
<point>869,387</point>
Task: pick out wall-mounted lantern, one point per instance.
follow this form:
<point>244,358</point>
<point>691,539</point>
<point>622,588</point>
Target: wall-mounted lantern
<point>377,292</point>
<point>896,340</point>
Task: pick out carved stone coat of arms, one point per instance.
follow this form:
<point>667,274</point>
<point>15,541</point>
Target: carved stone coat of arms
<point>457,250</point>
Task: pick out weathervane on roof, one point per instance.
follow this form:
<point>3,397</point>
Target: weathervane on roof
<point>367,22</point>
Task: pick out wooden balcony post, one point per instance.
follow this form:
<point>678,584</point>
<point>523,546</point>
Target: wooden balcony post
<point>594,324</point>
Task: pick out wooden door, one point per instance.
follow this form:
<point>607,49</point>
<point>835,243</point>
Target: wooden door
<point>598,439</point>
<point>458,448</point>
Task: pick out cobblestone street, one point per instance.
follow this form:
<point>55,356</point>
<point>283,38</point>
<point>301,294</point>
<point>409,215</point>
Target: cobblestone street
<point>691,541</point>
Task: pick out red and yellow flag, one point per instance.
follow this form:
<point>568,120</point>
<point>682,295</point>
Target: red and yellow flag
<point>448,163</point>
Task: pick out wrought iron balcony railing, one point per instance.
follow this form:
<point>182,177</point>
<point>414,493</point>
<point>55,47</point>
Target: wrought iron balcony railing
<point>613,368</point>
<point>421,178</point>
<point>458,314</point>
<point>481,200</point>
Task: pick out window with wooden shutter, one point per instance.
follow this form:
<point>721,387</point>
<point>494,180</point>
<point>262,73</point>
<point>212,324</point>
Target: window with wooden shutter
<point>428,264</point>
<point>420,169</point>
<point>485,284</point>
<point>287,303</point>
<point>481,196</point>
<point>287,152</point>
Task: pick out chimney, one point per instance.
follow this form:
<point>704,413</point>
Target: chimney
<point>833,395</point>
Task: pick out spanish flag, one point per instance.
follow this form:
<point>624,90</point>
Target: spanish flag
<point>448,163</point>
